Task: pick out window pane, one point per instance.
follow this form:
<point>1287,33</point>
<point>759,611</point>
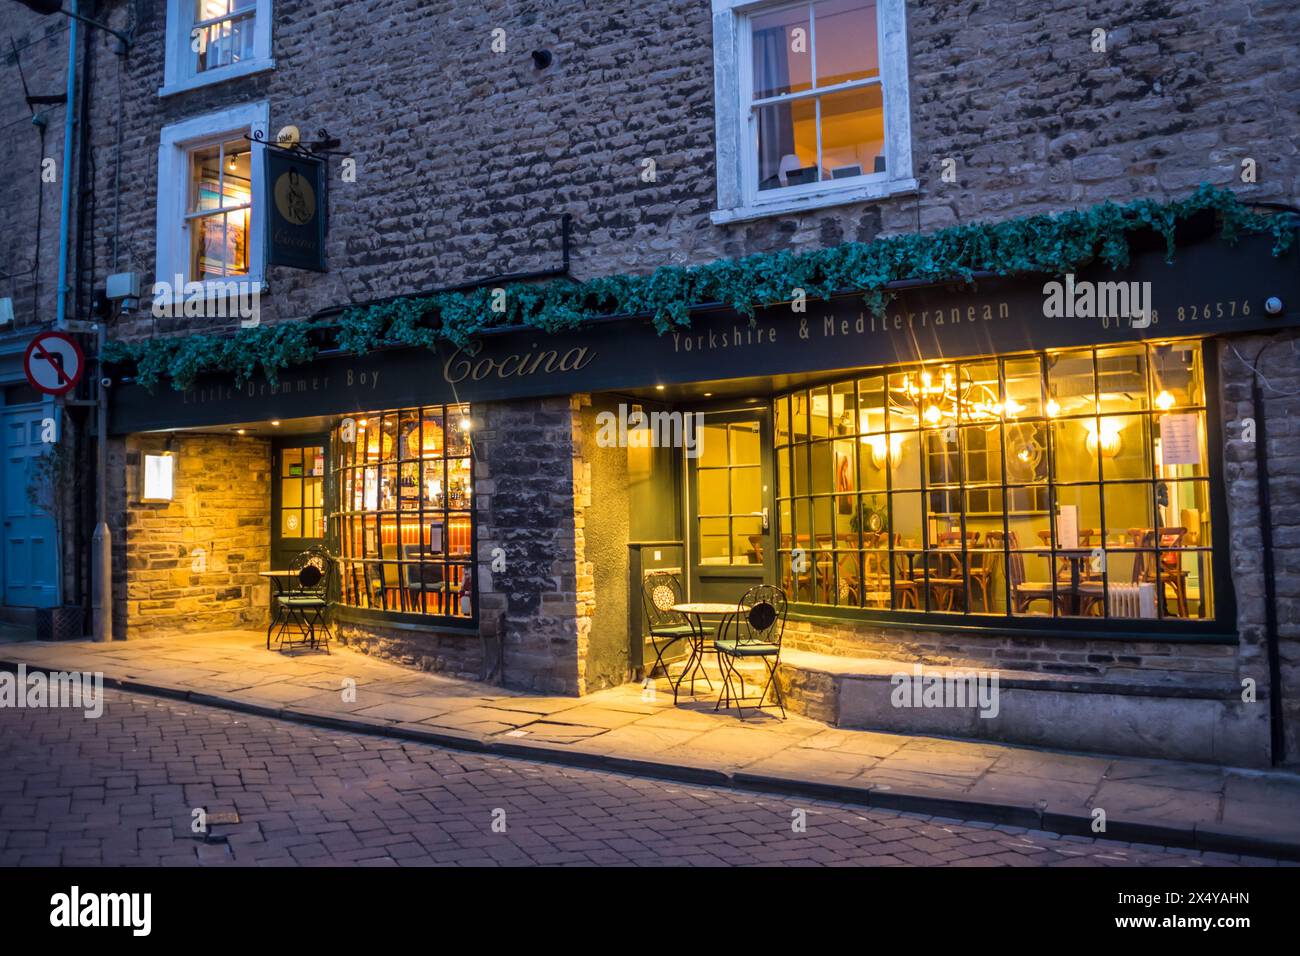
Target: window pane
<point>1024,385</point>
<point>846,41</point>
<point>844,409</point>
<point>1176,378</point>
<point>853,133</point>
<point>787,144</point>
<point>871,395</point>
<point>1122,379</point>
<point>205,178</point>
<point>781,42</point>
<point>219,245</point>
<point>712,483</point>
<point>226,41</point>
<point>1070,384</point>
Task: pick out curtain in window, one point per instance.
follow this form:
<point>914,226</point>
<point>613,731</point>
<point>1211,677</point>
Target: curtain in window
<point>775,123</point>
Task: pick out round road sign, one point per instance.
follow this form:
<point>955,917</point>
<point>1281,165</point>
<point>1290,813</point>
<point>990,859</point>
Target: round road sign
<point>53,363</point>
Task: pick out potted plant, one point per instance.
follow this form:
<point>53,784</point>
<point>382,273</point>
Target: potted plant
<point>49,489</point>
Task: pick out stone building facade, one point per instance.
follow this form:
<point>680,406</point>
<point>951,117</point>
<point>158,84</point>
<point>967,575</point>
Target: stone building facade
<point>466,155</point>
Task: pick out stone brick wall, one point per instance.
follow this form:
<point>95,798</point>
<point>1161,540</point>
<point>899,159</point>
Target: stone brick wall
<point>466,159</point>
<point>192,564</point>
<point>28,271</point>
<point>534,605</point>
<point>1146,661</point>
<point>1279,367</point>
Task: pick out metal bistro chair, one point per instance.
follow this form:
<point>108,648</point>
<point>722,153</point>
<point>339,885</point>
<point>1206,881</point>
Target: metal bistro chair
<point>759,626</point>
<point>306,604</point>
<point>661,588</point>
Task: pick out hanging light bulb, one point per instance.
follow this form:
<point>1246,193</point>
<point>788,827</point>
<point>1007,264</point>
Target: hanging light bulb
<point>1053,407</point>
<point>932,414</point>
<point>1164,401</point>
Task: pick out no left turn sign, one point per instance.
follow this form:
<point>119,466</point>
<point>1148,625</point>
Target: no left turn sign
<point>53,363</point>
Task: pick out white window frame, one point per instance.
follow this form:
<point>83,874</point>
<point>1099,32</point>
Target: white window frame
<point>172,238</point>
<point>739,199</point>
<point>178,74</point>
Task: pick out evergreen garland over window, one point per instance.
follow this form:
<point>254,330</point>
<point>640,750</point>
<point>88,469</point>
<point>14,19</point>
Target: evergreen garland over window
<point>1044,244</point>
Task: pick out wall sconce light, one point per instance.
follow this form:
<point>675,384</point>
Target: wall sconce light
<point>1109,439</point>
<point>877,443</point>
<point>157,477</point>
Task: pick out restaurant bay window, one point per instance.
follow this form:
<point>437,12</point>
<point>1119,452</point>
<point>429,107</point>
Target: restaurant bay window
<point>402,510</point>
<point>1058,484</point>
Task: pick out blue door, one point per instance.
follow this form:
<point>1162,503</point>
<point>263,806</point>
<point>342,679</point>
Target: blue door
<point>31,566</point>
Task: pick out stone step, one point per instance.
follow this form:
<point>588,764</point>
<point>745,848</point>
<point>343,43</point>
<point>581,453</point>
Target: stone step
<point>1207,722</point>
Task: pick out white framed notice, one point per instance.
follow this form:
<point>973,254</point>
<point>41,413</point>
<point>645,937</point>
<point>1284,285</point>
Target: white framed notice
<point>1067,527</point>
<point>1180,440</point>
<point>158,477</point>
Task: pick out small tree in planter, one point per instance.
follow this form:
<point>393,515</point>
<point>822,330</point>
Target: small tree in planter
<point>49,489</point>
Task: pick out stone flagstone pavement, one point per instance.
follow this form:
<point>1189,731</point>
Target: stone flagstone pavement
<point>628,728</point>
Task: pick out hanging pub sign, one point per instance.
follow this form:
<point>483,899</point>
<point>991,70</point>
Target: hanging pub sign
<point>296,233</point>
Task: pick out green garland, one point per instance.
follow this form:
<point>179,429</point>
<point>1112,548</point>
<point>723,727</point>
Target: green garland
<point>1046,244</point>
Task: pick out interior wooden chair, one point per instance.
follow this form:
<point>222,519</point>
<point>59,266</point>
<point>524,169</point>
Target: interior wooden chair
<point>1023,593</point>
<point>1173,578</point>
<point>947,580</point>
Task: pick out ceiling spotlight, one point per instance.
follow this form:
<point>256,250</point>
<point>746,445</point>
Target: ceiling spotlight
<point>659,388</point>
<point>275,423</point>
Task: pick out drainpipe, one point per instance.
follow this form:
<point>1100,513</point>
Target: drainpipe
<point>69,125</point>
<point>1277,738</point>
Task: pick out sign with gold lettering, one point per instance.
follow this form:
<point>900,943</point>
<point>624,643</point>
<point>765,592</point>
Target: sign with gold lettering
<point>1210,289</point>
<point>296,212</point>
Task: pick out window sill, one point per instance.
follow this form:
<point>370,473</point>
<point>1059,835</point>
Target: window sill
<point>807,202</point>
<point>220,75</point>
<point>1163,630</point>
<point>214,290</point>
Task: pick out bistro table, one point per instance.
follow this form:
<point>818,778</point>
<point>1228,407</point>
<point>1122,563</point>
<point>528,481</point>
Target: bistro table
<point>695,612</point>
<point>280,613</point>
<point>1076,557</point>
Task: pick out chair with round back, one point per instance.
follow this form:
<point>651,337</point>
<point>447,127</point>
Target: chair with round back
<point>661,588</point>
<point>758,627</point>
<point>307,603</point>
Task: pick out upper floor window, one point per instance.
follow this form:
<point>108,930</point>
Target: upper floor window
<point>210,197</point>
<point>812,105</point>
<point>213,40</point>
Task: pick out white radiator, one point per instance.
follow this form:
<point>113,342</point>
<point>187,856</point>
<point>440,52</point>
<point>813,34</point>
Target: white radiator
<point>1132,600</point>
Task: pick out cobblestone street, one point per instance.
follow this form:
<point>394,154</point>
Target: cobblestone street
<point>122,790</point>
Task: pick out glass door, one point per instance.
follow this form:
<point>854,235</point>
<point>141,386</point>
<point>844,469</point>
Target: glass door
<point>297,498</point>
<point>730,487</point>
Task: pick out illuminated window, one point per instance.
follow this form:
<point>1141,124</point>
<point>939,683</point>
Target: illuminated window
<point>210,189</point>
<point>402,510</point>
<point>213,40</point>
<point>812,105</point>
<point>1063,484</point>
<point>219,211</point>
